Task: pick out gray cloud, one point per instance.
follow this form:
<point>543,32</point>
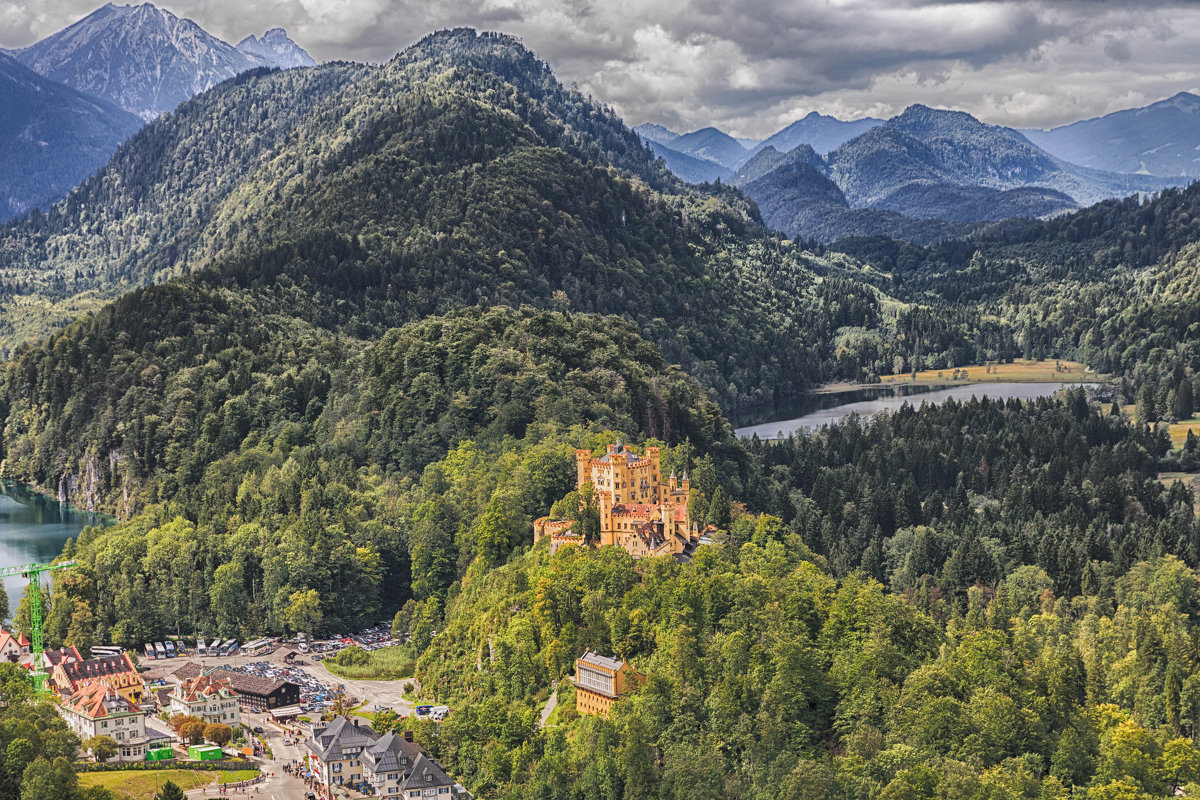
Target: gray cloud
<point>755,66</point>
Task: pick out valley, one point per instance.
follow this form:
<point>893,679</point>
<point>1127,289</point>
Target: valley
<point>437,347</point>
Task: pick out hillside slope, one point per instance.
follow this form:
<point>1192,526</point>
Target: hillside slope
<point>52,137</point>
<point>1161,139</point>
<point>931,146</point>
<point>458,175</point>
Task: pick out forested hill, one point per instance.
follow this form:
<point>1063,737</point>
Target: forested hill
<point>460,173</point>
<point>1113,286</point>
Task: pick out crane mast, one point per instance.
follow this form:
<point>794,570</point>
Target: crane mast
<point>36,644</point>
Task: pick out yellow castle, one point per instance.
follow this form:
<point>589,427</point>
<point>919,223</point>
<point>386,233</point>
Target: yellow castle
<point>638,512</point>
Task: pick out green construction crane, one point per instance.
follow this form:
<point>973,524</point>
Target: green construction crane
<point>34,573</point>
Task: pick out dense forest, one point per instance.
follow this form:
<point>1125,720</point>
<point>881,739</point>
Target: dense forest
<point>339,353</point>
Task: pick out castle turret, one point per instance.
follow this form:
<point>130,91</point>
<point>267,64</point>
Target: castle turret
<point>583,460</point>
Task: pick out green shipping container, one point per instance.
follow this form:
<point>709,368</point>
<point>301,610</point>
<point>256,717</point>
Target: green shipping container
<point>161,754</point>
<point>205,752</point>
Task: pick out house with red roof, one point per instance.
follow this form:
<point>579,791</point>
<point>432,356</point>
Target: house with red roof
<point>13,646</point>
<point>97,709</point>
<point>207,696</point>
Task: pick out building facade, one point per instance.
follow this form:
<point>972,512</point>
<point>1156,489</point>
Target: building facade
<point>253,691</point>
<point>601,681</point>
<point>97,709</point>
<point>335,751</point>
<point>350,754</point>
<point>387,761</point>
<point>639,511</point>
<point>209,697</point>
<point>13,646</point>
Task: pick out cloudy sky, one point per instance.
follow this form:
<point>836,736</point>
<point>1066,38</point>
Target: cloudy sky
<point>753,66</point>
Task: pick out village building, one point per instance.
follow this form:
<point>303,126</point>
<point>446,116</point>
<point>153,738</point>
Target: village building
<point>12,647</point>
<point>346,753</point>
<point>97,709</point>
<point>639,512</point>
<point>209,697</point>
<point>51,658</point>
<point>600,681</point>
<point>253,691</point>
<point>116,671</point>
<point>428,779</point>
<point>387,760</point>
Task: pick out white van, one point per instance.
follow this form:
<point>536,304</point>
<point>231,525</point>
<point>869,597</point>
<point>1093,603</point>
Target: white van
<point>439,713</point>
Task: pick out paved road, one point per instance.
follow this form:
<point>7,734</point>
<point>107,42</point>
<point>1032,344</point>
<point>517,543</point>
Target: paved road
<point>278,784</point>
<point>551,704</point>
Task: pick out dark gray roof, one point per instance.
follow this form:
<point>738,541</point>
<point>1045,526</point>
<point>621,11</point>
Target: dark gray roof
<point>242,682</point>
<point>391,753</point>
<point>426,773</point>
<point>341,734</point>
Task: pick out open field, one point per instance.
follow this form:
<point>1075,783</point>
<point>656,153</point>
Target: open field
<point>1019,371</point>
<point>236,775</point>
<point>388,663</point>
<point>1179,430</point>
<point>142,784</point>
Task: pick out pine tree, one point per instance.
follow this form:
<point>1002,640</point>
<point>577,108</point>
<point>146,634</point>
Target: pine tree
<point>720,513</point>
<point>169,791</point>
<point>1145,410</point>
<point>1183,400</point>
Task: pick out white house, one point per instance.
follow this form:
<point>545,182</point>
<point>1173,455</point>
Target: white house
<point>208,697</point>
<point>97,709</point>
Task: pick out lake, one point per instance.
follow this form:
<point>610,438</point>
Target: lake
<point>34,528</point>
<point>812,411</point>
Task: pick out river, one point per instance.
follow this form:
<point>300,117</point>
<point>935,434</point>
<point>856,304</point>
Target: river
<point>33,528</point>
<point>812,411</point>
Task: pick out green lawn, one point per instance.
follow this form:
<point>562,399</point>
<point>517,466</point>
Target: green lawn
<point>388,664</point>
<point>143,784</point>
<point>233,776</point>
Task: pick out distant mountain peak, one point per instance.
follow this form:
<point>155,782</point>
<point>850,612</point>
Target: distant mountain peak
<point>656,133</point>
<point>276,49</point>
<point>146,60</point>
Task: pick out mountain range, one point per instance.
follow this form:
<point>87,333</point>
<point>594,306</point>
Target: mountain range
<point>51,137</point>
<point>923,174</point>
<point>70,99</point>
<point>1161,139</point>
<point>328,340</point>
<point>146,60</point>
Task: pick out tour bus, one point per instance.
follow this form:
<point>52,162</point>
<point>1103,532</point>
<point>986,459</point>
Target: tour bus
<point>214,647</point>
<point>101,650</point>
<point>227,647</point>
<point>233,647</point>
<point>180,648</point>
<point>170,649</point>
<point>201,648</point>
<point>150,651</point>
<point>159,650</point>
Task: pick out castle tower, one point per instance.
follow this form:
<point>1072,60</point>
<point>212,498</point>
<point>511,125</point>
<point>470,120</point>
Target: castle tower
<point>583,460</point>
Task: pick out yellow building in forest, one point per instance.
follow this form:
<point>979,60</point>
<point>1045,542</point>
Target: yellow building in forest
<point>600,681</point>
<point>638,510</point>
